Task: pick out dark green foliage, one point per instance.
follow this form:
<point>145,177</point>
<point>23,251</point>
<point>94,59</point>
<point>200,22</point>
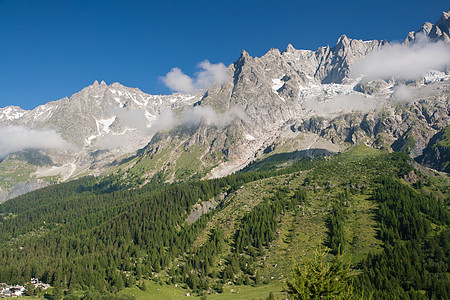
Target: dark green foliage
<point>90,238</point>
<point>257,229</point>
<point>335,223</point>
<point>57,293</point>
<point>143,285</point>
<point>258,226</point>
<point>271,296</point>
<point>200,263</point>
<point>96,235</point>
<point>30,290</point>
<point>300,196</point>
<point>415,260</point>
<point>321,280</point>
<point>92,230</point>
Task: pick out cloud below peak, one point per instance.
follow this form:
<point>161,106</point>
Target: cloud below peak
<point>341,104</point>
<point>193,116</point>
<point>209,75</point>
<point>404,62</point>
<point>18,138</point>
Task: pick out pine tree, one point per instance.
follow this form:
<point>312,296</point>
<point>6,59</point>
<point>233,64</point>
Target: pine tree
<point>143,285</point>
<point>271,296</point>
<point>321,280</point>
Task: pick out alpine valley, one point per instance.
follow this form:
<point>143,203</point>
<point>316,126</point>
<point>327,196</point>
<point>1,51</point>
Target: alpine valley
<point>218,192</point>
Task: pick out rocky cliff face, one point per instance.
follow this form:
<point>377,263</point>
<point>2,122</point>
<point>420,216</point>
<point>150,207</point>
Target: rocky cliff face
<point>296,94</point>
<point>437,153</point>
<point>98,125</point>
<point>435,32</point>
<point>295,100</point>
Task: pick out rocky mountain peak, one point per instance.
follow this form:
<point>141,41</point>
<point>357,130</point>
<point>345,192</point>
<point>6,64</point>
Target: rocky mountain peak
<point>426,27</point>
<point>290,48</point>
<point>243,60</point>
<point>434,32</point>
<point>274,51</point>
<point>244,55</point>
<point>343,40</point>
<point>115,85</point>
<point>267,95</point>
<point>10,113</point>
<point>444,22</point>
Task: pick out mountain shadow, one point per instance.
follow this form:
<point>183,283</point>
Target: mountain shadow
<point>280,160</point>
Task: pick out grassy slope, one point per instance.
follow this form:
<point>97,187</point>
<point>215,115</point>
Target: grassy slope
<point>299,232</point>
<point>14,171</point>
<point>445,139</point>
<point>162,292</point>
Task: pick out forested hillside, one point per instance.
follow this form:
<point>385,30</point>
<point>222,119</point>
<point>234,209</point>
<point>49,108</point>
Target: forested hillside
<point>390,221</point>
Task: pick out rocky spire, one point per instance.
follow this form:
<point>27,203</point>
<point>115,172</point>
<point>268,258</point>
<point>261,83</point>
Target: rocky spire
<point>290,48</point>
<point>444,22</point>
<point>434,32</point>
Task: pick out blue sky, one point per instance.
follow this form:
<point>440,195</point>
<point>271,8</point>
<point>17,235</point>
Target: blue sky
<point>52,49</point>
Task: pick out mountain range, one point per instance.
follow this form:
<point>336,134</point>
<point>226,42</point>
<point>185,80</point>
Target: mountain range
<point>304,102</point>
<point>331,162</point>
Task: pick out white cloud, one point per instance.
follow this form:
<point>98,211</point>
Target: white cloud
<point>402,93</point>
<point>165,121</point>
<point>176,80</point>
<point>207,114</point>
<point>404,62</point>
<point>111,141</point>
<point>196,115</point>
<point>133,118</point>
<point>136,121</point>
<point>18,138</point>
<point>341,104</point>
<point>209,75</point>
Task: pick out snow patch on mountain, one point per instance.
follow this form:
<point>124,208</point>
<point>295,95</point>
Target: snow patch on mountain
<point>106,123</point>
<point>249,137</point>
<point>277,84</point>
<point>11,113</point>
<point>326,91</point>
<point>103,127</point>
<point>435,75</point>
<point>43,110</point>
